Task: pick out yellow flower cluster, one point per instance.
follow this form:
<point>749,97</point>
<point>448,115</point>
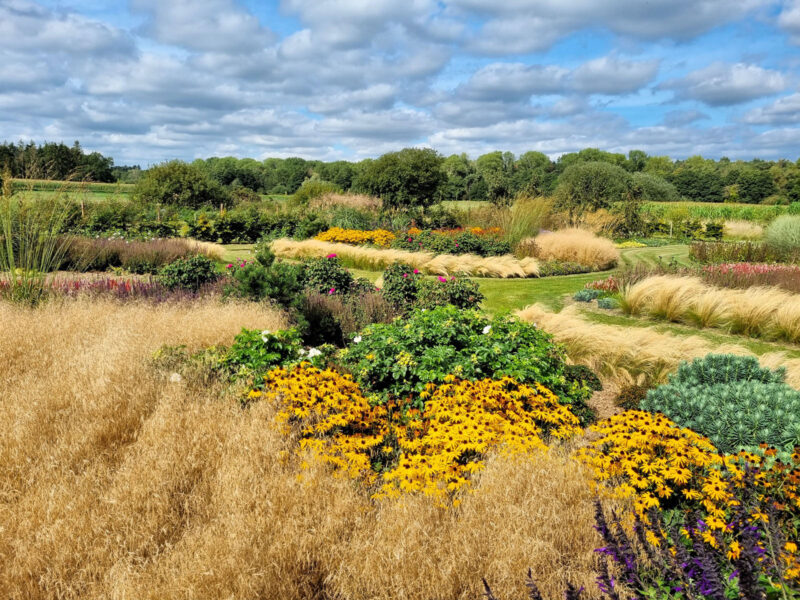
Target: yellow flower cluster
<point>379,237</point>
<point>631,244</point>
<point>465,419</point>
<point>650,458</point>
<point>432,452</point>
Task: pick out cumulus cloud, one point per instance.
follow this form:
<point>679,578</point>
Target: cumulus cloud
<point>522,26</point>
<point>783,111</point>
<point>722,84</point>
<point>680,118</point>
<point>612,75</point>
<point>789,19</point>
<point>211,25</point>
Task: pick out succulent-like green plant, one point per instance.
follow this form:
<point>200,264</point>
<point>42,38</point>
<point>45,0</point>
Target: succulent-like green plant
<point>586,295</point>
<point>733,401</point>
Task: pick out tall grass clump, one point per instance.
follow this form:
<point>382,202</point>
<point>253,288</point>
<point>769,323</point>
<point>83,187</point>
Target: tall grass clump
<point>120,481</point>
<point>374,259</point>
<point>30,246</point>
<point>783,235</point>
<point>766,312</point>
<point>625,355</point>
<point>578,246</point>
<point>742,230</point>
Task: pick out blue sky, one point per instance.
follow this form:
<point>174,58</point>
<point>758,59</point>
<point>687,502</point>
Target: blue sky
<point>151,80</point>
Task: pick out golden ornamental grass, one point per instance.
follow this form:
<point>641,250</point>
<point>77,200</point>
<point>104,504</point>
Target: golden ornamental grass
<point>117,483</point>
<point>742,230</point>
<point>333,200</point>
<point>624,355</point>
<point>375,259</point>
<point>578,246</point>
<point>768,312</point>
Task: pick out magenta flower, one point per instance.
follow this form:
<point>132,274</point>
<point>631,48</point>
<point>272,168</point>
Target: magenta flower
<point>331,256</point>
<point>443,279</point>
<point>332,291</point>
<point>452,279</point>
<point>230,266</point>
<point>405,274</point>
<point>416,271</point>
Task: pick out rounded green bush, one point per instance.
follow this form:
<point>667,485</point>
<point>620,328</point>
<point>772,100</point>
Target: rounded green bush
<point>783,234</point>
<point>733,401</point>
<point>399,359</point>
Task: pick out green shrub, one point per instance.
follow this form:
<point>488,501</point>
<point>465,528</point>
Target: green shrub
<point>398,359</point>
<point>583,374</point>
<point>405,288</point>
<point>177,183</point>
<point>460,292</point>
<point>607,303</point>
<point>586,295</point>
<point>278,281</point>
<point>549,268</point>
<point>630,396</point>
<point>783,234</point>
<point>255,352</point>
<point>327,276</point>
<point>314,188</point>
<point>189,273</point>
<point>733,401</point>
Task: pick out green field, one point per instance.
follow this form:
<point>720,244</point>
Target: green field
<point>717,211</point>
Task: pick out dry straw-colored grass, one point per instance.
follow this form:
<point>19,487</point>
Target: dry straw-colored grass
<point>116,483</point>
<point>333,200</point>
<point>742,230</point>
<point>578,246</point>
<point>374,259</point>
<point>626,355</point>
<point>767,312</point>
<point>209,249</point>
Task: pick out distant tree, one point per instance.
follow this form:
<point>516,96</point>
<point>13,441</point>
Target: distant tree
<point>410,177</point>
<point>698,179</point>
<point>660,166</point>
<point>176,183</point>
<point>497,169</point>
<point>654,188</point>
<point>591,186</point>
<point>637,160</point>
<point>533,174</point>
<point>460,174</point>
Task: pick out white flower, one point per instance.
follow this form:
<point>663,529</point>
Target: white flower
<point>313,352</point>
<point>175,378</point>
<point>357,339</point>
<point>487,329</point>
<point>265,335</point>
<point>302,351</point>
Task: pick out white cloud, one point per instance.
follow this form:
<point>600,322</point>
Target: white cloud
<point>612,75</point>
<point>210,25</point>
<point>789,19</point>
<point>783,111</point>
<point>721,84</point>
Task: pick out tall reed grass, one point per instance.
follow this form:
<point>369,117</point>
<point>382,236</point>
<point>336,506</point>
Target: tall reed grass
<point>117,483</point>
<point>332,201</point>
<point>742,230</point>
<point>624,355</point>
<point>766,312</point>
<point>30,246</point>
<point>577,246</point>
<point>374,259</point>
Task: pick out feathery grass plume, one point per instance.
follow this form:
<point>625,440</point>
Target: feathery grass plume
<point>117,482</point>
<point>331,201</point>
<point>742,230</point>
<point>761,311</point>
<point>578,246</point>
<point>374,259</point>
<point>625,355</point>
<point>30,245</point>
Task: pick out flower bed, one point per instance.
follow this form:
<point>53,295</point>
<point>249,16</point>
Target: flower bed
<point>378,237</point>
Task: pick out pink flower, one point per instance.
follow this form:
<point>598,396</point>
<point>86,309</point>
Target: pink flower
<point>229,266</point>
<point>332,291</point>
<point>405,274</point>
<point>416,271</point>
<point>443,279</point>
<point>452,279</point>
<point>410,240</point>
<point>456,244</point>
<point>331,256</point>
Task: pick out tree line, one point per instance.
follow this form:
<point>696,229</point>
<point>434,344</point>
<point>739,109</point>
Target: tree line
<point>418,176</point>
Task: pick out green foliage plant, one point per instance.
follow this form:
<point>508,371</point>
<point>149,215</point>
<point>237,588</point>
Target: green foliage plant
<point>177,183</point>
<point>255,352</point>
<point>733,401</point>
<point>399,359</point>
<point>586,295</point>
<point>327,276</point>
<point>31,246</point>
<point>783,235</point>
<point>189,273</point>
